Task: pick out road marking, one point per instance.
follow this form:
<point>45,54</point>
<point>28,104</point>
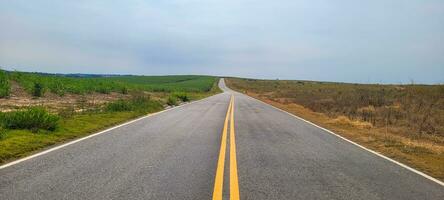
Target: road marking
<point>219,179</point>
<point>354,143</point>
<point>234,185</point>
<point>95,134</point>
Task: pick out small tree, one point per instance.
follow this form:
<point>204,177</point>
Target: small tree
<point>4,85</point>
<point>124,90</point>
<point>38,90</point>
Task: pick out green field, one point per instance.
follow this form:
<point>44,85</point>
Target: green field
<point>25,130</point>
<point>61,85</point>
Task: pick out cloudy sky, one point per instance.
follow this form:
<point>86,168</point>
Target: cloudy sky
<point>386,41</point>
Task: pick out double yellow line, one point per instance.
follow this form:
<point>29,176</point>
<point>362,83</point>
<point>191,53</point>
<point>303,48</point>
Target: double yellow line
<point>219,179</point>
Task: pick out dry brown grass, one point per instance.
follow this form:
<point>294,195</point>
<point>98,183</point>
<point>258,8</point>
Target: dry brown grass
<point>345,121</point>
<point>398,141</point>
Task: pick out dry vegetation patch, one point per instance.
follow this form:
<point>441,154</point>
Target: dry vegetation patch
<point>405,122</point>
<point>345,121</point>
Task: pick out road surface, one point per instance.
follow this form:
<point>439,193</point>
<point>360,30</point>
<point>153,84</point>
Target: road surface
<point>176,155</point>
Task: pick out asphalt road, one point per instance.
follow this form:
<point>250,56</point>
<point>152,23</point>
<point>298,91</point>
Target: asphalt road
<point>175,155</point>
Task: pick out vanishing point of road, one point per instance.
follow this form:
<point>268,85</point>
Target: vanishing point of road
<point>228,146</point>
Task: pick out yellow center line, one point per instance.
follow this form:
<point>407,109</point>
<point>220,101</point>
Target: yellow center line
<point>234,185</point>
<point>219,180</point>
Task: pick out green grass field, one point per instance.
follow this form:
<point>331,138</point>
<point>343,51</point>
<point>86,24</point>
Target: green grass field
<point>22,131</point>
<point>122,84</point>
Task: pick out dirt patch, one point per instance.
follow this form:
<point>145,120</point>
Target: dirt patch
<point>20,98</point>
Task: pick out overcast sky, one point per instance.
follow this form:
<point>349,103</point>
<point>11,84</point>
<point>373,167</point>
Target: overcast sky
<point>386,41</point>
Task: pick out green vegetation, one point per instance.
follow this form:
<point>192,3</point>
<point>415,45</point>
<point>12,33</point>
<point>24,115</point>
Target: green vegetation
<point>2,132</point>
<point>4,85</point>
<point>172,100</point>
<point>85,105</point>
<point>119,105</point>
<point>186,83</point>
<point>38,90</point>
<point>136,103</point>
<point>33,118</point>
<point>36,84</point>
<point>182,96</point>
<point>19,143</point>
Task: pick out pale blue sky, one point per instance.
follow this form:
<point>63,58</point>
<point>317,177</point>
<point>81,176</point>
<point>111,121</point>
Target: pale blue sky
<point>387,41</point>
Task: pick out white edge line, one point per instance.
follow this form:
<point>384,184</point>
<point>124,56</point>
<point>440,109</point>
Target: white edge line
<point>354,143</point>
<point>95,134</point>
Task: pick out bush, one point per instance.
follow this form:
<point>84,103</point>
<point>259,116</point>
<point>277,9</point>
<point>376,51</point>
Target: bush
<point>172,101</point>
<point>4,85</point>
<point>58,88</point>
<point>119,105</point>
<point>38,90</point>
<point>124,90</point>
<point>182,96</point>
<point>2,132</point>
<point>33,118</point>
<point>138,101</point>
<point>139,98</point>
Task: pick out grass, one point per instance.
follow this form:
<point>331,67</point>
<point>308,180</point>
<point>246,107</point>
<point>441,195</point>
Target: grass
<point>404,122</point>
<point>19,143</point>
<point>30,129</point>
<point>136,103</point>
<point>33,118</point>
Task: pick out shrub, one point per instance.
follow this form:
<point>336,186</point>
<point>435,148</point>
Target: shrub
<point>2,132</point>
<point>172,101</point>
<point>143,102</point>
<point>124,90</point>
<point>138,102</point>
<point>38,90</point>
<point>182,96</point>
<point>58,88</point>
<point>33,118</point>
<point>119,105</point>
<point>4,85</point>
